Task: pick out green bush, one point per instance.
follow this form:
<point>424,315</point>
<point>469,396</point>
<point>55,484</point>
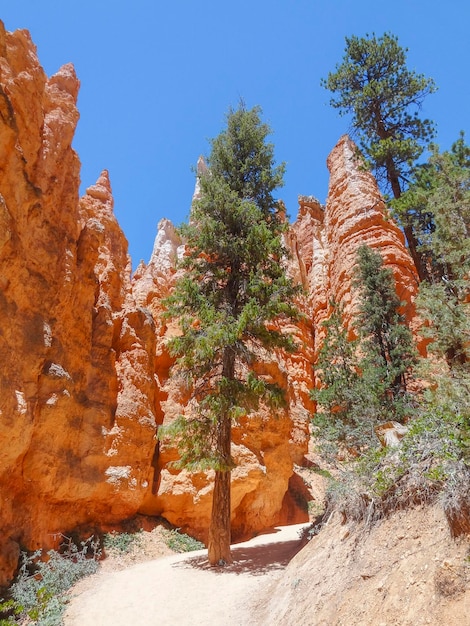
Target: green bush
<point>39,594</point>
<point>432,462</point>
<point>180,542</point>
<point>121,542</point>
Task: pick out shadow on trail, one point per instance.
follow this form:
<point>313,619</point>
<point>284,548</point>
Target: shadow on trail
<point>256,560</point>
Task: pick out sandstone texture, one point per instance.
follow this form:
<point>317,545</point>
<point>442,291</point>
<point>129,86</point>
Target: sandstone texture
<point>77,402</point>
<point>85,372</point>
<point>328,239</point>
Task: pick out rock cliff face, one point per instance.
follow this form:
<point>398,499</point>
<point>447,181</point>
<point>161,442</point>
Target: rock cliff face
<point>85,373</point>
<point>328,239</point>
<point>77,402</point>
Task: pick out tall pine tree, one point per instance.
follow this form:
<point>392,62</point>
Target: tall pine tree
<point>364,381</point>
<point>384,97</point>
<point>229,301</point>
<point>386,340</point>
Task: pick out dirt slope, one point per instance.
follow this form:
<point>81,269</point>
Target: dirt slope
<point>406,571</point>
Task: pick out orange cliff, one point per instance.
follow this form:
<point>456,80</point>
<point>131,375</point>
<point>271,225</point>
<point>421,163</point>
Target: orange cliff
<point>328,239</point>
<point>85,372</point>
<point>77,407</point>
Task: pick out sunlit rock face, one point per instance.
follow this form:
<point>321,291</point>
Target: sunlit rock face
<point>355,214</point>
<point>85,372</point>
<point>78,399</point>
<point>265,447</point>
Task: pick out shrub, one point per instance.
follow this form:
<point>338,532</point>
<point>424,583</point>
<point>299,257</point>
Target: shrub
<point>121,542</point>
<point>39,593</point>
<point>180,542</point>
<point>432,463</point>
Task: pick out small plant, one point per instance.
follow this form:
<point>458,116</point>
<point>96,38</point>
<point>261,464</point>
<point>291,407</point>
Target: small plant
<point>315,508</point>
<point>121,542</point>
<point>180,542</point>
<point>38,595</point>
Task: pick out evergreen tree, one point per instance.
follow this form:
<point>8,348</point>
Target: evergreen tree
<point>439,200</point>
<point>374,85</point>
<point>386,340</point>
<point>363,381</point>
<point>336,396</point>
<point>228,303</point>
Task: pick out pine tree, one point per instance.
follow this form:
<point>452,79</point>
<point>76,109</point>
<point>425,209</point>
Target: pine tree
<point>386,340</point>
<point>439,201</point>
<point>374,84</point>
<point>337,375</point>
<point>229,303</point>
<point>363,381</point>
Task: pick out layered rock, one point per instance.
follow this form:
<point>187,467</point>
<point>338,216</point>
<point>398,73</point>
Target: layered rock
<point>85,370</point>
<point>355,214</point>
<point>311,249</point>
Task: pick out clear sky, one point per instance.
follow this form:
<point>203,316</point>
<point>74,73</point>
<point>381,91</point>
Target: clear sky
<point>157,78</point>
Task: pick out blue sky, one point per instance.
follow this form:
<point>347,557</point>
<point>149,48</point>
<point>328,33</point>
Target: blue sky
<point>157,79</point>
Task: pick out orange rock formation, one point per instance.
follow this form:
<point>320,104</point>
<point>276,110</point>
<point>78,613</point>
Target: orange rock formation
<point>85,373</point>
<point>77,406</point>
<point>328,239</point>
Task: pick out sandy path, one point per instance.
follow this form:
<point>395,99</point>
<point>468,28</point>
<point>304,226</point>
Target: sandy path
<point>181,590</point>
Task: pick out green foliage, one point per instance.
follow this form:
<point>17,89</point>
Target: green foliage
<point>339,418</point>
<point>233,292</point>
<point>438,204</point>
<point>449,323</point>
<point>438,200</point>
<point>386,340</point>
<point>180,542</point>
<point>39,593</point>
<point>365,384</point>
<point>121,542</point>
<point>439,437</point>
<point>363,381</point>
<point>337,365</point>
<point>431,463</point>
<point>384,97</point>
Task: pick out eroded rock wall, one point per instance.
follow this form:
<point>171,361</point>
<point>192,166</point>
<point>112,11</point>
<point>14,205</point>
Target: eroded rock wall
<point>75,426</point>
<point>85,371</point>
<point>355,214</point>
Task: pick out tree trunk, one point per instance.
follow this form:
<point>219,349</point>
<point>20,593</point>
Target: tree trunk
<point>415,255</point>
<point>408,230</point>
<point>219,530</point>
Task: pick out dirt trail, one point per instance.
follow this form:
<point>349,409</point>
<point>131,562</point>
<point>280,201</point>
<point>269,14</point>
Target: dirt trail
<point>182,590</point>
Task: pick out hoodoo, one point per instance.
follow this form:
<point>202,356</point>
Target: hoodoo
<point>85,373</point>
